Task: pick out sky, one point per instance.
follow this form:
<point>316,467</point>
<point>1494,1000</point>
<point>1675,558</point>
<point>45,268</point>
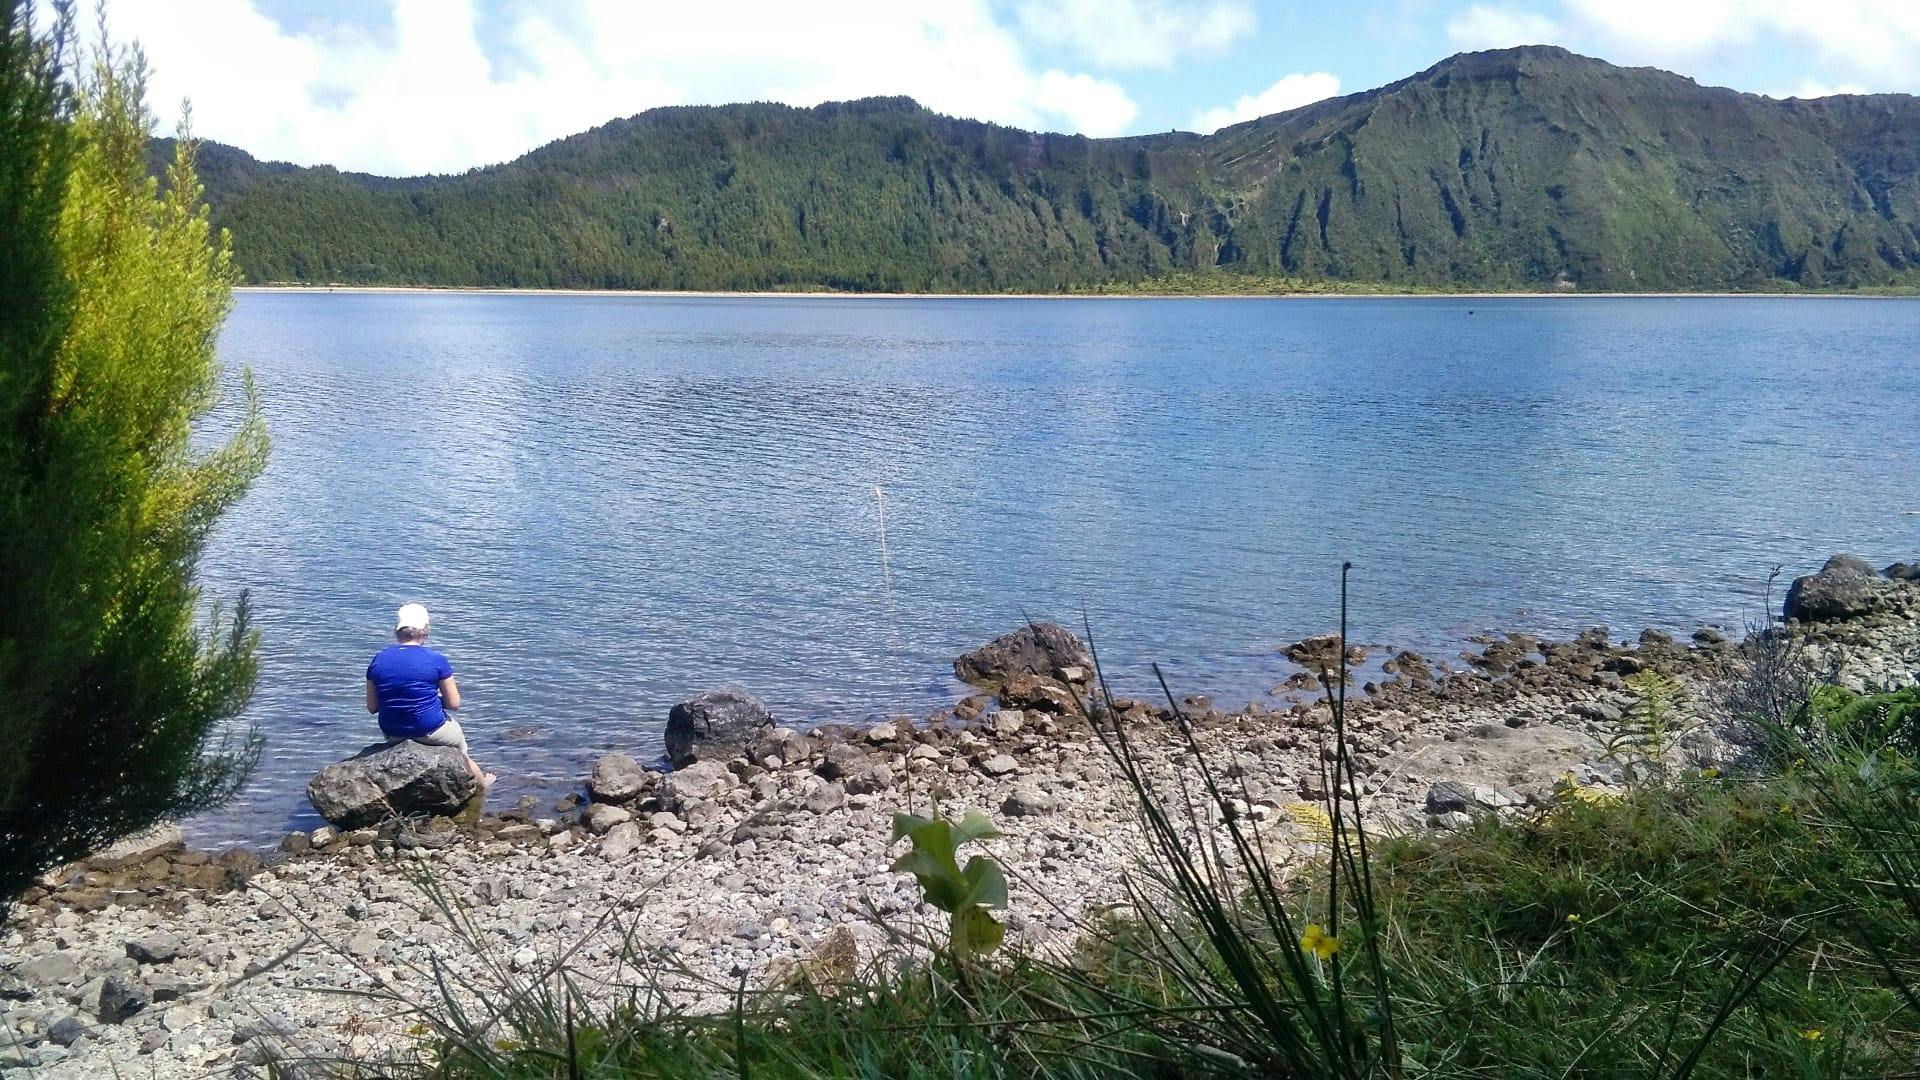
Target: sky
<point>404,87</point>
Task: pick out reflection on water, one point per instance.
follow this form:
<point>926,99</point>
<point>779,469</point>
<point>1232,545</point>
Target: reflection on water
<point>611,503</point>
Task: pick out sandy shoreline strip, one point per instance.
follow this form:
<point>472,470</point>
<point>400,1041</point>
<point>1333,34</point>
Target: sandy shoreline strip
<point>828,295</point>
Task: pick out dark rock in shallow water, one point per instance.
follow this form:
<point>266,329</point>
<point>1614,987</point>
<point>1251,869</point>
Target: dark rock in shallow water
<point>395,780</point>
<point>720,724</point>
<point>1046,650</point>
<point>1845,588</point>
<point>1901,571</point>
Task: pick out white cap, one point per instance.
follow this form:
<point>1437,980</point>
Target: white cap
<point>412,617</point>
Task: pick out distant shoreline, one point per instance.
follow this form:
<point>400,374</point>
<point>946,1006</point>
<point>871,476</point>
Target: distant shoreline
<point>822,294</point>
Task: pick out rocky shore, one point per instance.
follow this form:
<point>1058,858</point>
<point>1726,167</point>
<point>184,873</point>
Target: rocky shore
<point>766,847</point>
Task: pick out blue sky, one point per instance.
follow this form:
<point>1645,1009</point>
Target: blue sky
<point>410,86</point>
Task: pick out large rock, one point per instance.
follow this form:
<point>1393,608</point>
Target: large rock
<point>397,780</point>
<point>1845,588</point>
<point>1046,650</point>
<point>717,725</point>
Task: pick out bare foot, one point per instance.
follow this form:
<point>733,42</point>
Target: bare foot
<point>487,779</point>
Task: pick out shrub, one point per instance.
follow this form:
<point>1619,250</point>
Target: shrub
<point>117,698</point>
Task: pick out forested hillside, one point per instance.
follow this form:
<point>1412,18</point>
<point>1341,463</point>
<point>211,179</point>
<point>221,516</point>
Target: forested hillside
<point>1521,168</point>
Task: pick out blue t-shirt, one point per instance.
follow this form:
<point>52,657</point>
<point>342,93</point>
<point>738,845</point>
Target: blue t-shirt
<point>406,679</point>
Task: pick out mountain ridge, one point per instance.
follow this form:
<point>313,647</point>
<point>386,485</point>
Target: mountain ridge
<point>1530,167</point>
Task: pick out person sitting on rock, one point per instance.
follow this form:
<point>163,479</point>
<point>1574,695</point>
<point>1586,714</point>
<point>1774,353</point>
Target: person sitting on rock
<point>411,688</point>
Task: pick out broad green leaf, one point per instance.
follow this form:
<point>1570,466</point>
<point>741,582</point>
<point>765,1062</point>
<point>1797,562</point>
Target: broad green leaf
<point>905,824</point>
<point>975,826</point>
<point>975,930</point>
<point>986,883</point>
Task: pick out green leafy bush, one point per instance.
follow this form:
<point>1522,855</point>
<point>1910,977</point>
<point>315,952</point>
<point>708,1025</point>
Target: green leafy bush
<point>1889,719</point>
<point>116,697</point>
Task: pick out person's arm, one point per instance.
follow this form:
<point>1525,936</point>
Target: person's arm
<point>450,694</point>
<point>373,698</point>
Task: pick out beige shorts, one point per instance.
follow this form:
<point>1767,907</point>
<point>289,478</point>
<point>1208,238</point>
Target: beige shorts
<point>447,734</point>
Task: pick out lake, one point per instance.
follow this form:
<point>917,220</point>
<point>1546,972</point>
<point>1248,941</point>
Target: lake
<point>611,503</point>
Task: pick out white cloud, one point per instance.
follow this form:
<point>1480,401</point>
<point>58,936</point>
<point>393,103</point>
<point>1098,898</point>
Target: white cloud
<point>1289,93</point>
<point>1879,37</point>
<point>1137,33</point>
<point>1809,88</point>
<point>1485,27</point>
<point>427,97</point>
<point>1092,106</point>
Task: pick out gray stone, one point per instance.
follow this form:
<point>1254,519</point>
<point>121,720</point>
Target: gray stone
<point>883,733</point>
<point>699,782</point>
<point>871,781</point>
<point>1845,588</point>
<point>120,999</point>
<point>1042,649</point>
<point>1027,800</point>
<point>826,798</point>
<point>155,948</point>
<point>841,760</point>
<point>999,765</point>
<point>719,725</point>
<point>384,781</point>
<point>53,969</point>
<point>364,944</point>
<point>1449,796</point>
<point>618,778</point>
<point>600,817</point>
<point>1598,711</point>
<point>67,1030</point>
<point>620,841</point>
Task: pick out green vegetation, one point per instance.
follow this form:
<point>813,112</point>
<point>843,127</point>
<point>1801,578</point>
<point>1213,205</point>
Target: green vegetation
<point>1698,925</point>
<point>112,692</point>
<point>969,896</point>
<point>1522,169</point>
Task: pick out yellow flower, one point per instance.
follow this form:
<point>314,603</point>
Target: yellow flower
<point>1786,808</point>
<point>1709,773</point>
<point>1574,920</point>
<point>1320,943</point>
<point>1813,1034</point>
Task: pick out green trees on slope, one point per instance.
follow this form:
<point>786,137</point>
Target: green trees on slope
<point>1520,168</point>
<point>115,697</point>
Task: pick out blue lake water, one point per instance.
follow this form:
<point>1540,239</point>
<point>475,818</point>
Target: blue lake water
<point>611,503</point>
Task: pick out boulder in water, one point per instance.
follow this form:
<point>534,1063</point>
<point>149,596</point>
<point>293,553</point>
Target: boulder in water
<point>392,780</point>
<point>1845,588</point>
<point>1043,650</point>
<point>717,725</point>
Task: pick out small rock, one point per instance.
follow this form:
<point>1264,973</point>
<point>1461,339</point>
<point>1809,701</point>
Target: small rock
<point>601,817</point>
<point>120,999</point>
<point>618,778</point>
<point>999,765</point>
<point>53,969</point>
<point>826,798</point>
<point>883,733</point>
<point>1027,800</point>
<point>621,840</point>
<point>156,948</point>
<point>67,1030</point>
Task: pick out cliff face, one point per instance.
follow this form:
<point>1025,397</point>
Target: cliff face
<point>1519,168</point>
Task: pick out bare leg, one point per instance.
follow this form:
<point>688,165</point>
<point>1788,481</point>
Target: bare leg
<point>480,777</point>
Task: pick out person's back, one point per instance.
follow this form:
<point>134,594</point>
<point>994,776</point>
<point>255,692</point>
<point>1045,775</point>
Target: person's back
<point>411,688</point>
<point>407,677</point>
